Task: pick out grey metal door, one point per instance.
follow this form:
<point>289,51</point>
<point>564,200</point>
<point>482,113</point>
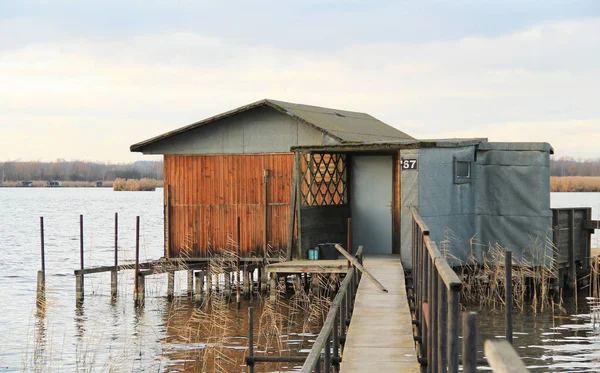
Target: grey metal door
<point>371,201</point>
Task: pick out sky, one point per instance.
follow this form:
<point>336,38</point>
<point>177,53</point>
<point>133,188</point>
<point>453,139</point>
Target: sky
<point>83,80</point>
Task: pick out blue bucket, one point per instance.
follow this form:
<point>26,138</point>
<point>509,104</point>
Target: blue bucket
<point>313,254</point>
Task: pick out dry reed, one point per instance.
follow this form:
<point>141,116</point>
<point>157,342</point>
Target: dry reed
<point>484,278</point>
<point>575,184</point>
<point>135,185</point>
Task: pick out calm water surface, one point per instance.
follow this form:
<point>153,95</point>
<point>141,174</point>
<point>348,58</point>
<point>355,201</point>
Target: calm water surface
<point>115,336</point>
<point>562,342</point>
<point>100,335</point>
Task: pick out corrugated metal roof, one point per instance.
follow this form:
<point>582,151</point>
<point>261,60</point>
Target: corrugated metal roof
<point>344,126</point>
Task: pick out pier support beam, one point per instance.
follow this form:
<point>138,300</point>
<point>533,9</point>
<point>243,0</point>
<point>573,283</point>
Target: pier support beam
<point>209,282</point>
<point>227,284</point>
<point>140,291</point>
<point>170,285</point>
<point>113,284</point>
<point>263,280</point>
<point>246,280</point>
<point>273,290</point>
<point>199,277</point>
<point>41,286</point>
<point>79,288</point>
<point>190,283</point>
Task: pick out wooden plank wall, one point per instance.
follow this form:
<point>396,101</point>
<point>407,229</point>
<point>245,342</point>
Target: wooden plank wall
<point>209,192</point>
<point>581,236</point>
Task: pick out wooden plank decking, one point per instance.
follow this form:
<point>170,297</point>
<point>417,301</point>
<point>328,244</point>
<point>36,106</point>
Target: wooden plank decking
<point>309,266</point>
<point>380,337</point>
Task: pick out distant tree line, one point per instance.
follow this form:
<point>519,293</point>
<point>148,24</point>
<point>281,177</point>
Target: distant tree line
<point>62,170</point>
<point>567,166</point>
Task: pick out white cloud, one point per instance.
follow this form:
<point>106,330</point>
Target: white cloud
<point>92,99</point>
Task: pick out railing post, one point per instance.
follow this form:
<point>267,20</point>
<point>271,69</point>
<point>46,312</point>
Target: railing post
<point>343,318</point>
<point>427,323</point>
<point>442,326</point>
<point>328,354</point>
<point>251,337</point>
<point>453,315</point>
<point>433,311</point>
<point>336,343</point>
<point>508,295</point>
<point>469,347</point>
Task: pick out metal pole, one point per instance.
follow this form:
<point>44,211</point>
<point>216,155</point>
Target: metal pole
<point>113,282</point>
<point>81,241</point>
<point>251,337</point>
<point>79,285</point>
<point>469,347</point>
<point>116,239</point>
<point>508,295</point>
<point>42,244</point>
<point>137,257</point>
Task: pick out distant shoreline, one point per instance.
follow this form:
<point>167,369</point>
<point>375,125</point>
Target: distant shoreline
<point>66,184</point>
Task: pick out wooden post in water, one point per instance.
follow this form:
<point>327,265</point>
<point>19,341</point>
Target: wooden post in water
<point>190,282</point>
<point>508,298</point>
<point>41,276</point>
<point>227,275</point>
<point>113,273</point>
<point>170,285</point>
<point>209,282</point>
<point>273,289</point>
<point>79,283</point>
<point>251,336</point>
<point>237,274</point>
<point>469,348</point>
<point>138,279</point>
<point>199,285</point>
<point>246,280</point>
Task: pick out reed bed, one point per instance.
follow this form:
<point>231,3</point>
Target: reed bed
<point>484,276</point>
<point>135,185</point>
<point>575,184</point>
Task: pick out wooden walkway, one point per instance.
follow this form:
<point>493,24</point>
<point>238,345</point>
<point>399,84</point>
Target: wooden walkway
<point>380,337</point>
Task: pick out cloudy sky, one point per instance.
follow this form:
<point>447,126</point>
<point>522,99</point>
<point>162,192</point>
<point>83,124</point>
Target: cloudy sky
<point>86,79</point>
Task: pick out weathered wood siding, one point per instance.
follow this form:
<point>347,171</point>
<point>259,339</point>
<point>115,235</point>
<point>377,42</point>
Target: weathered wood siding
<point>209,192</point>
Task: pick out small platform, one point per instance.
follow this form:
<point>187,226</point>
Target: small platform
<point>309,266</point>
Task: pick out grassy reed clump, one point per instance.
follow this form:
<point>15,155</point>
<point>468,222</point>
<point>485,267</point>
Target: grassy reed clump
<point>134,185</point>
<point>575,184</point>
<point>484,279</point>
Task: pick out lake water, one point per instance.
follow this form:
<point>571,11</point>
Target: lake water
<point>102,335</point>
<point>115,336</point>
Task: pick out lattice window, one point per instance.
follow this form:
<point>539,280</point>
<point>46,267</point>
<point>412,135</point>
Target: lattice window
<point>323,178</point>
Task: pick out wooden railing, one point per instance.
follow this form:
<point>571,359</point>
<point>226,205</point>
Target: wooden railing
<point>322,357</point>
<point>434,298</point>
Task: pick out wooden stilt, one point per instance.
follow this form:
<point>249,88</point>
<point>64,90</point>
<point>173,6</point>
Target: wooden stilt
<point>273,290</point>
<point>190,283</point>
<point>170,285</point>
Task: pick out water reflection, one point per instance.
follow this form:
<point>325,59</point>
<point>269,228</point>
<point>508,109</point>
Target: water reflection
<point>557,342</point>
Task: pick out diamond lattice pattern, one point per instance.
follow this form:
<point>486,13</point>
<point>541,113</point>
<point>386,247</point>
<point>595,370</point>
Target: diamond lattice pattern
<point>323,178</point>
